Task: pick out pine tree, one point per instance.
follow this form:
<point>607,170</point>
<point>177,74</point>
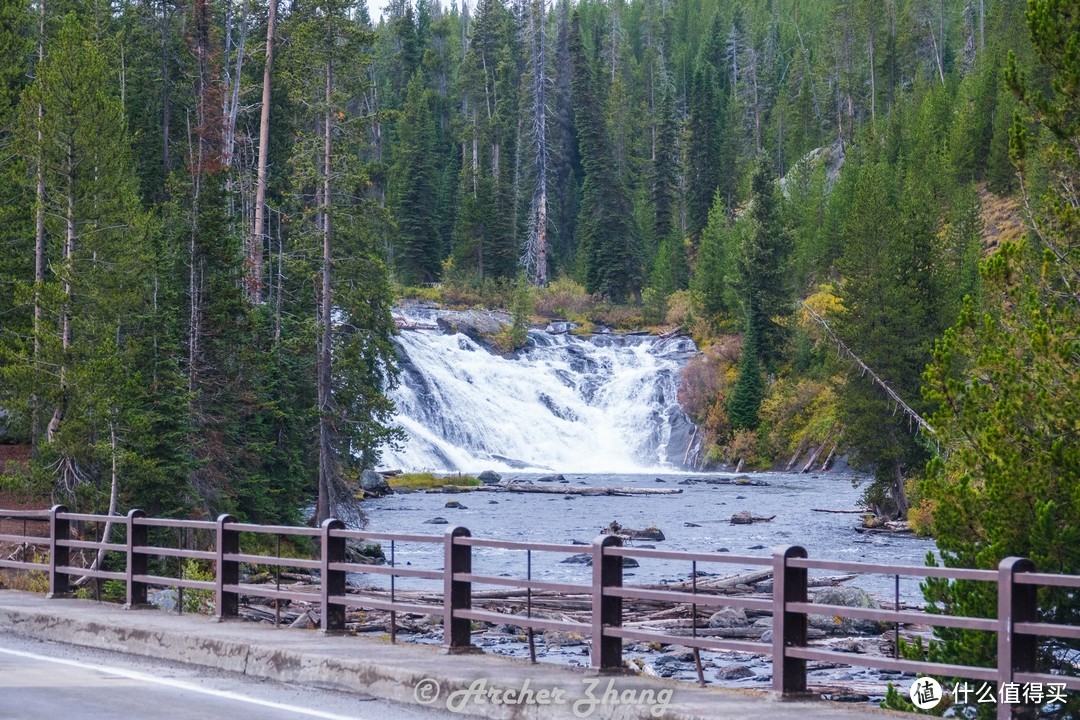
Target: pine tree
<point>763,270</point>
<point>341,238</point>
<point>891,303</point>
<point>412,190</point>
<point>93,323</point>
<point>703,154</point>
<point>710,283</point>
<point>565,162</point>
<point>749,388</point>
<point>610,260</point>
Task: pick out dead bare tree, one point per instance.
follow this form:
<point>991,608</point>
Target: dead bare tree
<point>258,235</point>
<point>534,259</point>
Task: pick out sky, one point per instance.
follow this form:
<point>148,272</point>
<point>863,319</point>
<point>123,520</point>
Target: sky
<point>375,7</point>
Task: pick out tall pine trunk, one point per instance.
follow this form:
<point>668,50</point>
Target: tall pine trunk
<point>258,235</point>
<point>326,459</point>
<point>535,260</point>
<point>232,97</point>
<point>39,227</point>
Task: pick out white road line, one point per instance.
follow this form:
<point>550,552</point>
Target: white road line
<point>181,685</point>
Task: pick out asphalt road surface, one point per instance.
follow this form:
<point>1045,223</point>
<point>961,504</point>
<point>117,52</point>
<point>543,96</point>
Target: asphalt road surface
<point>50,681</point>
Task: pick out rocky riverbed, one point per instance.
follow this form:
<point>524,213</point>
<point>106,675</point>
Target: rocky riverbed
<point>710,514</point>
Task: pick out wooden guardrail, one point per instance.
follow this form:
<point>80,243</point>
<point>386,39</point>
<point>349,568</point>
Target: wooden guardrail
<point>1017,624</point>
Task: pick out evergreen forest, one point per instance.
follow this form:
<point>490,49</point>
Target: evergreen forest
<point>865,212</point>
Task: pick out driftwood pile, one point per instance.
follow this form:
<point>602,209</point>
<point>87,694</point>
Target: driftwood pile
<point>674,619</point>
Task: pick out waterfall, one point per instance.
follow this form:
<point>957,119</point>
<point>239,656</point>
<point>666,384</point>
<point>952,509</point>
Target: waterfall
<point>604,403</point>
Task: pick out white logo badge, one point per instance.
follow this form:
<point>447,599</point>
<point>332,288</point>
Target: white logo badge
<point>925,693</point>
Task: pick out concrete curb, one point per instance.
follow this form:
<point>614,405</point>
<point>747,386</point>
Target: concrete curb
<point>390,672</point>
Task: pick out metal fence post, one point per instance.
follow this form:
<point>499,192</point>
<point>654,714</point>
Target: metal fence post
<point>136,562</point>
<point>606,609</point>
<point>457,594</point>
<point>59,556</point>
<point>789,628</point>
<point>1016,652</point>
<point>333,581</point>
<point>228,571</point>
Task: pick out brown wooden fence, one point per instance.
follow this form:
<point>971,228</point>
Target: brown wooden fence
<point>1017,624</point>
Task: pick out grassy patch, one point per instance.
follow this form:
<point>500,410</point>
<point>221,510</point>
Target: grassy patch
<point>420,481</point>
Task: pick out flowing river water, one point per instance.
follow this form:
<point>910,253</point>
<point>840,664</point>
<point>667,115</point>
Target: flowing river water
<point>697,519</point>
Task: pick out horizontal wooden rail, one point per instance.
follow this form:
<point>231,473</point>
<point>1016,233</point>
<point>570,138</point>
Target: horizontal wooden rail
<point>25,539</point>
<point>398,537</point>
<point>518,545</point>
<point>177,524</point>
<point>21,565</point>
<point>904,617</point>
<point>903,570</point>
<point>524,584</point>
<point>703,643</point>
<point>499,618</point>
<point>686,598</point>
<point>174,582</point>
<point>185,553</point>
<point>396,571</point>
<point>272,529</point>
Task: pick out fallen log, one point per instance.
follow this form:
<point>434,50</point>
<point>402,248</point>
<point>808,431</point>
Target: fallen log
<point>579,490</point>
<point>798,453</point>
<point>720,585</point>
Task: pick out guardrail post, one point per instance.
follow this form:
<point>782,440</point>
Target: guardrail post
<point>228,571</point>
<point>1016,652</point>
<point>136,561</point>
<point>333,581</point>
<point>59,556</point>
<point>606,609</point>
<point>457,594</point>
<point>789,628</point>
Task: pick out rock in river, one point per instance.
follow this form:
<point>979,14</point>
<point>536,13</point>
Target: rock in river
<point>729,617</point>
<point>852,597</point>
<point>372,483</point>
<point>735,672</point>
<point>490,477</point>
<point>650,533</point>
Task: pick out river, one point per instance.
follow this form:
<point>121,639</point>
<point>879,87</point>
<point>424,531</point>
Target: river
<point>698,519</point>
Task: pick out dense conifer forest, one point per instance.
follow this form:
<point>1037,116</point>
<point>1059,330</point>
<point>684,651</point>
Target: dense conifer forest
<point>864,212</point>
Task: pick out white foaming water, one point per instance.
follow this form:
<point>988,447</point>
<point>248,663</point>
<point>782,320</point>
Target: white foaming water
<point>605,403</point>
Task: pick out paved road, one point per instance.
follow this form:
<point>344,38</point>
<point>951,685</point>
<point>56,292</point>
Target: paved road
<point>44,680</point>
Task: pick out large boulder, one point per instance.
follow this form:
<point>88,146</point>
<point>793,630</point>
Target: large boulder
<point>364,553</point>
<point>650,533</point>
<point>478,325</point>
<point>490,477</point>
<point>729,617</point>
<point>851,597</point>
<point>743,517</point>
<point>374,484</point>
<point>735,672</point>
